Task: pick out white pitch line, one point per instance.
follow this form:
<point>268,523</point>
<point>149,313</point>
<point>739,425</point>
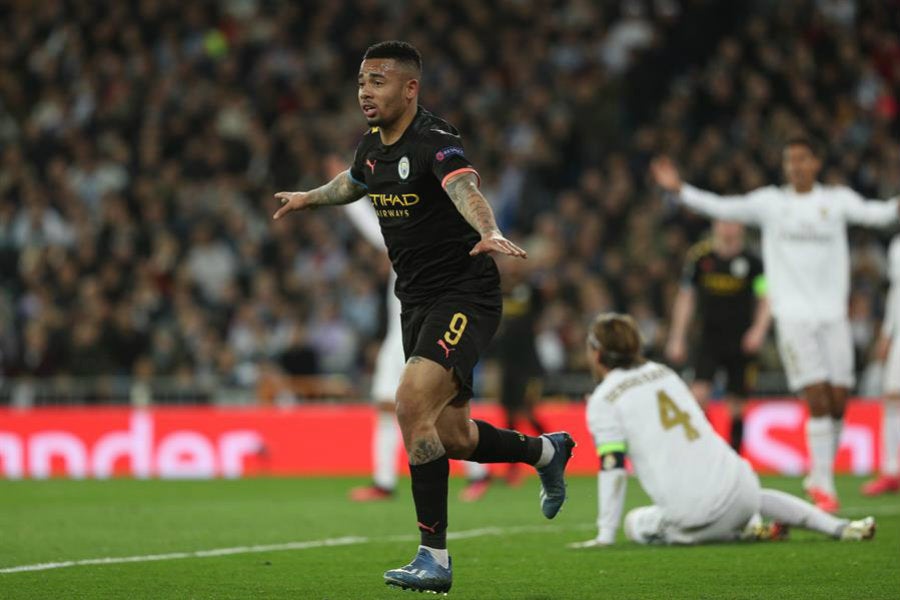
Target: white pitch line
<point>342,541</point>
<point>351,540</point>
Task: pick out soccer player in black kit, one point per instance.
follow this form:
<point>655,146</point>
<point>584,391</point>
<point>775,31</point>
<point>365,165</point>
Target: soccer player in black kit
<point>439,231</point>
<point>726,282</point>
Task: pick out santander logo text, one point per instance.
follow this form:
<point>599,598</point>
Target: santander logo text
<point>135,451</point>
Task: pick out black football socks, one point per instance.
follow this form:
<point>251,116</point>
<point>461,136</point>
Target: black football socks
<point>429,489</point>
<point>505,446</point>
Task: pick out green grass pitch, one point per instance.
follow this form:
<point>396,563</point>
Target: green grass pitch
<point>506,548</point>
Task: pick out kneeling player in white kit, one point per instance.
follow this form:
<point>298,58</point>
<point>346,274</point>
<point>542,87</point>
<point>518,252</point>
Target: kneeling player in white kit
<point>386,378</point>
<point>701,489</point>
<point>889,353</point>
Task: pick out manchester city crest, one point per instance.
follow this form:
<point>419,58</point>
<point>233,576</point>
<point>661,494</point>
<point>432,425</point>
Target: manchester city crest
<point>740,267</point>
<point>403,168</point>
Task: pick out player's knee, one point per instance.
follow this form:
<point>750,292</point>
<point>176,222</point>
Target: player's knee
<point>410,411</point>
<point>630,526</point>
<point>818,396</point>
<point>839,401</point>
<point>644,525</point>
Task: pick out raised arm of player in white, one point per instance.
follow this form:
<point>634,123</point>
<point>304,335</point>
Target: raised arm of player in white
<point>875,213</point>
<point>363,218</point>
<point>745,209</point>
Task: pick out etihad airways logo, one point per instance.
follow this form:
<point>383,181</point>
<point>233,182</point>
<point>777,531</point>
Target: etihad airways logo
<point>393,200</point>
<point>392,206</point>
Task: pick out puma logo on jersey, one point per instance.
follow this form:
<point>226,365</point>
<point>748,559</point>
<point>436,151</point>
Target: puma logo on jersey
<point>447,350</point>
<point>371,164</point>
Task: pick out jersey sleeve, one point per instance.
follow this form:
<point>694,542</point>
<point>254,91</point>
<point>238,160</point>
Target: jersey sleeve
<point>744,209</point>
<point>357,175</point>
<point>444,154</point>
<point>875,213</point>
<point>604,424</point>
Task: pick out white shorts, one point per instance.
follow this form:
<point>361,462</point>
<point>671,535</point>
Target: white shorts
<point>649,525</point>
<point>816,352</point>
<point>388,366</point>
<point>892,368</point>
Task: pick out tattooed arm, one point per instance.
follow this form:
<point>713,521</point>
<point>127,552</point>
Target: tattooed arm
<point>340,190</point>
<point>471,204</point>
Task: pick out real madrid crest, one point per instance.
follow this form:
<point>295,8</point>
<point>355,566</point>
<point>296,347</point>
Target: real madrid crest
<point>403,168</point>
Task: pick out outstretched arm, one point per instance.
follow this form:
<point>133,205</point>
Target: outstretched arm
<point>471,204</point>
<point>728,208</point>
<point>340,190</point>
<point>873,213</point>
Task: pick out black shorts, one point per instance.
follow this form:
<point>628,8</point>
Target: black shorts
<point>452,331</point>
<point>740,369</point>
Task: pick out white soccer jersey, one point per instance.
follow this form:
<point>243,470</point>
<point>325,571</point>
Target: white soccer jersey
<point>891,326</point>
<point>682,464</point>
<point>804,241</point>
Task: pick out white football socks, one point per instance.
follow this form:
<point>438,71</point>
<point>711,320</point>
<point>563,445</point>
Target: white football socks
<point>440,555</point>
<point>820,440</point>
<point>384,451</point>
<point>890,439</point>
<point>547,452</point>
<point>790,510</point>
<point>837,426</point>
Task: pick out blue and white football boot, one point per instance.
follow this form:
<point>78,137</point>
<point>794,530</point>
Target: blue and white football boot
<point>423,574</point>
<point>553,480</point>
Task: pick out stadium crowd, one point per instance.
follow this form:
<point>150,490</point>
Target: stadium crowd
<point>142,142</point>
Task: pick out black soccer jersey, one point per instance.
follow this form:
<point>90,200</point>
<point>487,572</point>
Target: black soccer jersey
<point>428,240</point>
<point>726,291</point>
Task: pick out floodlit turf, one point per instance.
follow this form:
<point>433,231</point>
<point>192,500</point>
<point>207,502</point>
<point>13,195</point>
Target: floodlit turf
<point>524,557</point>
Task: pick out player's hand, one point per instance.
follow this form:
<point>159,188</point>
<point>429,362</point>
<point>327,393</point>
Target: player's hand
<point>594,543</point>
<point>665,173</point>
<point>495,242</point>
<point>291,201</point>
<point>882,348</point>
<point>676,351</point>
<point>752,341</point>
